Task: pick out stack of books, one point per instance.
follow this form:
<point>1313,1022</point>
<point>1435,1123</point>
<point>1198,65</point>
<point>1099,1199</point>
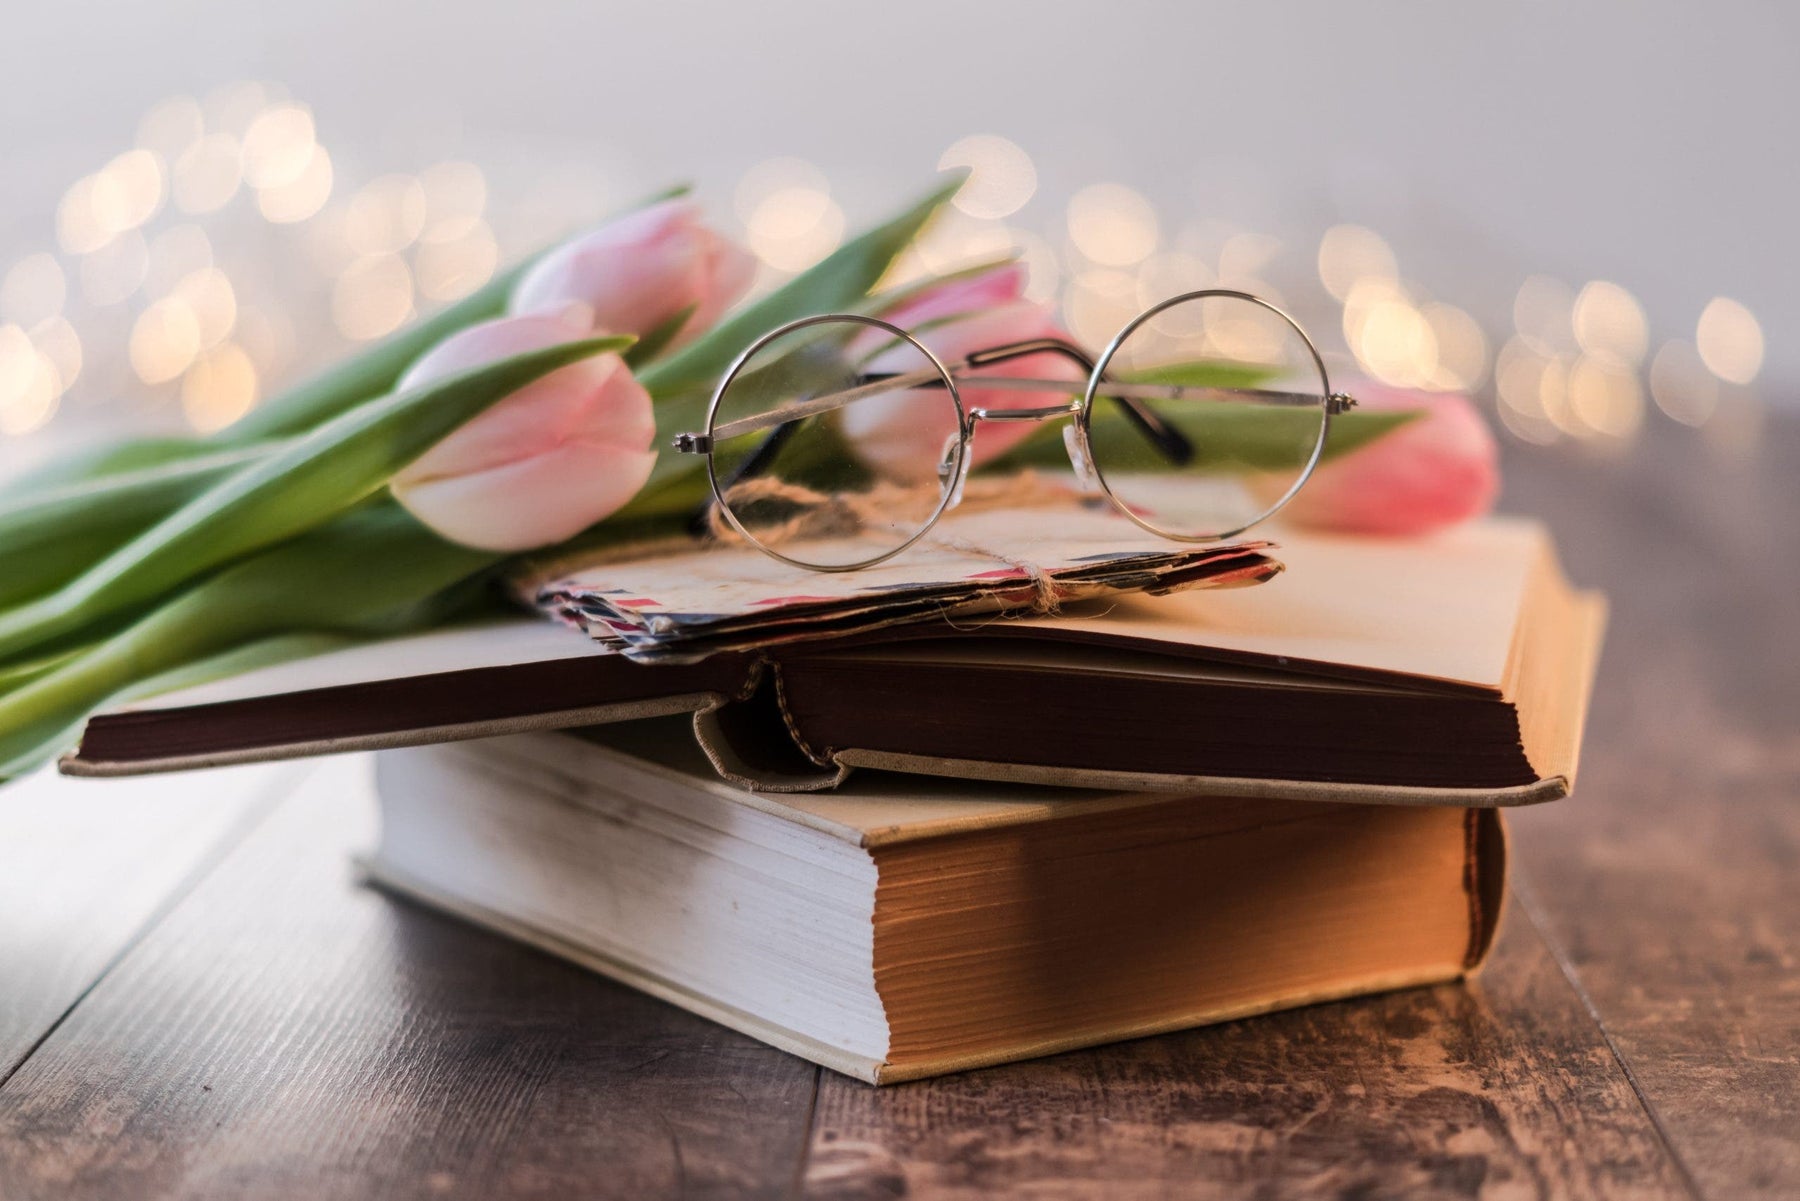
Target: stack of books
<point>939,847</point>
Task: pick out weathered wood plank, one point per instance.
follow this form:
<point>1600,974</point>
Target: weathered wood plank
<point>1504,1088</point>
<point>1671,881</point>
<point>285,1032</point>
<point>85,866</point>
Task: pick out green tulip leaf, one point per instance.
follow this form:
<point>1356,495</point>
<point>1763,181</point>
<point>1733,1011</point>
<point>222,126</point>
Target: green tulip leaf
<point>49,537</point>
<point>304,483</point>
<point>653,343</point>
<point>372,572</point>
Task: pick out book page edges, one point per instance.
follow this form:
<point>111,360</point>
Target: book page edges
<point>383,875</point>
<point>846,1063</point>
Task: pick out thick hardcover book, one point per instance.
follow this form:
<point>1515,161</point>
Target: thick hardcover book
<point>1450,670</point>
<point>905,927</point>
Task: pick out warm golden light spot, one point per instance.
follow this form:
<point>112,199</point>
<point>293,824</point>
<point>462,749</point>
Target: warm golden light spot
<point>112,273</point>
<point>1462,351</point>
<point>794,227</point>
<point>1111,224</point>
<point>1730,340</point>
<point>1001,176</point>
<point>33,289</point>
<point>1608,320</point>
<point>57,341</point>
<point>164,340</point>
<point>1349,254</point>
<point>1604,396</point>
<point>208,173</point>
<point>776,175</point>
<point>302,196</point>
<point>1544,315</point>
<point>133,190</point>
<point>1043,273</point>
<point>373,297</point>
<point>1098,303</point>
<point>209,296</point>
<point>80,228</point>
<point>219,388</point>
<point>1553,397</point>
<point>176,253</point>
<point>1171,273</point>
<point>1681,384</point>
<point>1518,389</point>
<point>386,216</point>
<point>1395,344</point>
<point>278,146</point>
<point>29,385</point>
<point>451,267</point>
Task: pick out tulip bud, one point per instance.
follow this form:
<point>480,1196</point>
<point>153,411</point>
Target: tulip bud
<point>640,271</point>
<point>886,429</point>
<point>542,464</point>
<point>1434,471</point>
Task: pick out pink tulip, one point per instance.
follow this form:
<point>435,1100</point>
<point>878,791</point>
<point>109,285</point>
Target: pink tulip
<point>990,289</point>
<point>542,464</point>
<point>1433,471</point>
<point>892,432</point>
<point>639,271</point>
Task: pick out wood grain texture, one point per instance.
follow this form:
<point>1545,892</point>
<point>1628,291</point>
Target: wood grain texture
<point>1671,882</point>
<point>286,1033</point>
<point>84,869</point>
<point>1500,1089</point>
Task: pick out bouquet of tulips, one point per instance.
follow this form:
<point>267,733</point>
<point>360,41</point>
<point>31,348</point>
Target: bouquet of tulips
<point>386,494</point>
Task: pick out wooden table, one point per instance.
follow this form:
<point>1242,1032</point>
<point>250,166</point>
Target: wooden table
<point>196,999</point>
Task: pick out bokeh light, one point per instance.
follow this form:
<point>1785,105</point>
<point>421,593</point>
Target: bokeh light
<point>1681,385</point>
<point>373,297</point>
<point>1112,225</point>
<point>790,219</point>
<point>208,174</point>
<point>1544,315</point>
<point>1001,180</point>
<point>1350,254</point>
<point>30,387</point>
<point>302,196</point>
<point>219,388</point>
<point>1608,320</point>
<point>165,339</point>
<point>454,258</point>
<point>278,146</point>
<point>1730,340</point>
<point>386,215</point>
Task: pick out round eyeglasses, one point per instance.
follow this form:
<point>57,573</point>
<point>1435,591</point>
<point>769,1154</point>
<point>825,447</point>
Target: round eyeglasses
<point>835,442</point>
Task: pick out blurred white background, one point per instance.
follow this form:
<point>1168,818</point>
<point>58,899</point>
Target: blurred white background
<point>1583,181</point>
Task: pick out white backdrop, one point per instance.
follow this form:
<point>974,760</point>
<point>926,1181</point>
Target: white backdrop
<point>1652,144</point>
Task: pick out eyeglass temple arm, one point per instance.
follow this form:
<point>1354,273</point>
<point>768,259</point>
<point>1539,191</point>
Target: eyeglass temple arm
<point>1174,444</point>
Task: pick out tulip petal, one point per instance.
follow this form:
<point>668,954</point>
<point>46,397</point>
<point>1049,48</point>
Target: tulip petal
<point>535,502</point>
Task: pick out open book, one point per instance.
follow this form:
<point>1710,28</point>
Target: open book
<point>1448,670</point>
